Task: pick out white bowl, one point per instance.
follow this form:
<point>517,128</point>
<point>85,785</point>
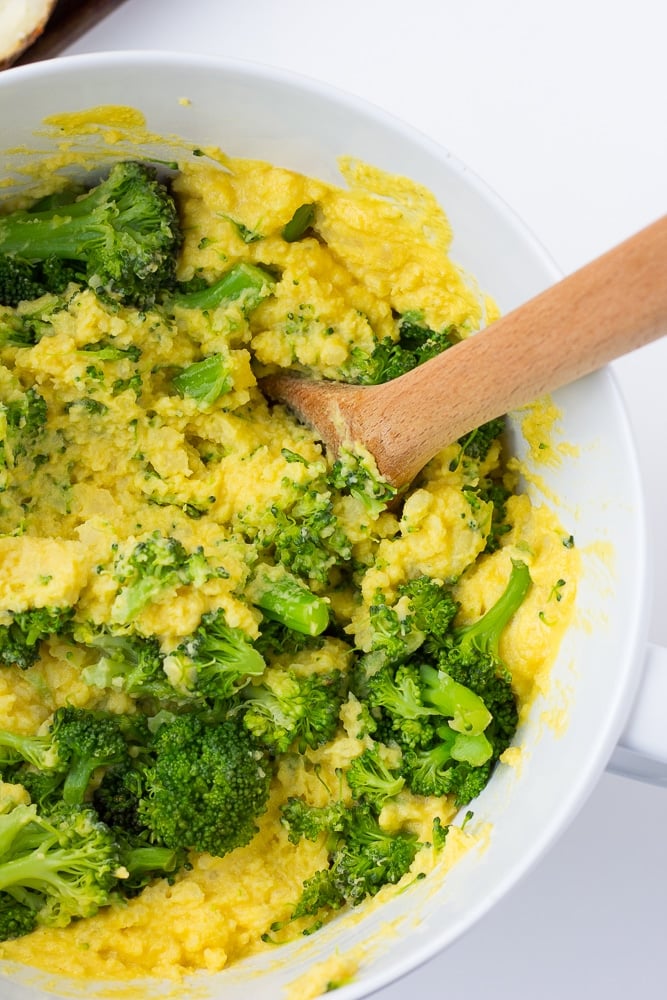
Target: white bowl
<point>250,110</point>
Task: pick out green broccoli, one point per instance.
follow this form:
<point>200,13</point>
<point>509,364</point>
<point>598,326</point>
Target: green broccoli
<point>22,421</point>
<point>302,820</point>
<point>129,662</point>
<point>288,709</point>
<point>390,358</point>
<point>353,474</point>
<point>300,223</point>
<point>205,381</point>
<point>363,858</point>
<point>458,765</point>
<point>77,743</point>
<point>154,565</point>
<point>23,280</point>
<point>20,640</point>
<point>86,740</point>
<point>306,537</point>
<point>283,598</point>
<point>404,716</point>
<point>206,787</point>
<point>123,233</point>
<point>464,710</point>
<point>105,350</point>
<point>243,283</point>
<point>372,780</point>
<point>57,867</point>
<point>215,662</point>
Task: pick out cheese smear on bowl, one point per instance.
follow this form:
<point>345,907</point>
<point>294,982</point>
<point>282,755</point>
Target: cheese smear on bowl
<point>127,454</point>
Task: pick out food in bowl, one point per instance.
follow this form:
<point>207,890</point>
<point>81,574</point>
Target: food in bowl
<point>244,684</point>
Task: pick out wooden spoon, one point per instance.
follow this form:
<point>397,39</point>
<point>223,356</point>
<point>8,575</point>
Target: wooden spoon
<point>608,308</point>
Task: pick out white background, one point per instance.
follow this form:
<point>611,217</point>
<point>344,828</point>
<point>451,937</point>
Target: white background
<point>562,108</point>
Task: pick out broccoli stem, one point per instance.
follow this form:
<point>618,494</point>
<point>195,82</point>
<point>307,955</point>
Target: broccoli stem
<point>243,280</point>
<point>205,381</point>
<point>484,634</point>
<point>285,599</point>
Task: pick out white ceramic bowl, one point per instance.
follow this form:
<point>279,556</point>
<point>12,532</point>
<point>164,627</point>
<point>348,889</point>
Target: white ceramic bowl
<point>253,111</point>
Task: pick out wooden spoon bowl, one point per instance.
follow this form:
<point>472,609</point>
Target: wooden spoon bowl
<point>608,308</point>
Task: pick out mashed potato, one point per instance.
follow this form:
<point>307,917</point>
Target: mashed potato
<point>124,455</point>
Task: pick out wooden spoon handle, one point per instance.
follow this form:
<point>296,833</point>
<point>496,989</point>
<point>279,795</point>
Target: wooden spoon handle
<point>606,309</point>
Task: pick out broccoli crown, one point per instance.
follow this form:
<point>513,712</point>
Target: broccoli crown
<point>16,918</point>
<point>306,537</point>
<point>353,474</point>
<point>216,661</point>
<point>131,663</point>
<point>434,771</point>
<point>392,358</point>
<point>477,444</point>
<point>206,787</point>
<point>124,233</point>
<point>20,640</point>
<point>440,692</point>
<point>287,708</point>
<point>371,780</point>
<point>23,280</point>
<point>156,564</point>
<point>363,858</point>
<point>305,821</point>
<point>116,799</point>
<point>86,740</point>
<point>404,716</point>
<point>60,866</point>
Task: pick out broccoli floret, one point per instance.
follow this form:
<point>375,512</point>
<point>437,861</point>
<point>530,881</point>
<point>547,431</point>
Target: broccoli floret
<point>477,443</point>
<point>436,771</point>
<point>473,651</point>
<point>216,661</point>
<point>60,867</point>
<point>393,358</point>
<point>275,639</point>
<point>20,640</point>
<point>77,743</point>
<point>124,233</point>
<point>305,821</point>
<point>353,474</point>
<point>129,662</point>
<point>371,780</point>
<point>116,798</point>
<point>364,859</point>
<point>86,740</point>
<point>493,491</point>
<point>432,606</point>
<point>207,786</point>
<point>244,283</point>
<point>464,710</point>
<point>285,599</point>
<point>287,708</point>
<point>398,693</point>
<point>205,381</point>
<point>16,919</point>
<point>156,564</point>
<point>24,281</point>
<point>307,537</point>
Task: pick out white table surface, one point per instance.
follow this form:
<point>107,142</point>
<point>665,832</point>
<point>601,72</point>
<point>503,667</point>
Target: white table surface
<point>562,108</point>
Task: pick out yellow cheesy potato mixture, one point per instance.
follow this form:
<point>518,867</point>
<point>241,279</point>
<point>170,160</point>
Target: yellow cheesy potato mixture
<point>264,629</point>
